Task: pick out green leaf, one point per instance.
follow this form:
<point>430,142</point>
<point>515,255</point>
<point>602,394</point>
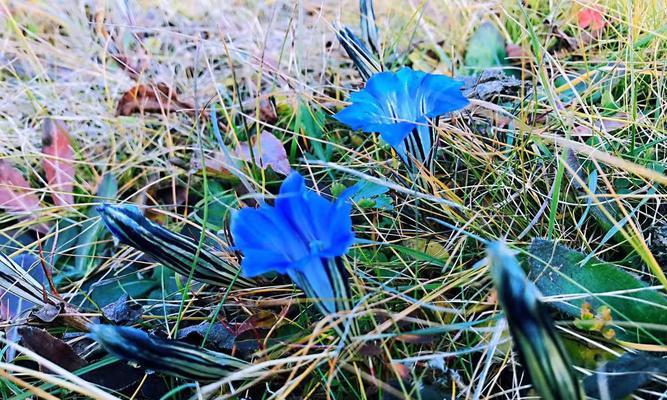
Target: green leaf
<point>486,49</point>
<point>62,240</point>
<point>310,123</point>
<point>371,195</point>
<point>91,228</point>
<point>560,271</point>
<point>220,202</point>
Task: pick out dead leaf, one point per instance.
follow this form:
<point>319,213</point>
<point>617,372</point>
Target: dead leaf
<point>416,339</point>
<point>218,335</point>
<point>48,312</point>
<point>401,370</point>
<point>268,151</point>
<point>51,348</point>
<point>591,18</point>
<point>267,111</point>
<point>158,98</point>
<point>516,52</point>
<point>215,166</point>
<point>16,196</point>
<point>123,311</point>
<point>58,161</point>
<point>263,319</point>
<point>133,65</point>
<point>491,84</point>
<point>370,350</point>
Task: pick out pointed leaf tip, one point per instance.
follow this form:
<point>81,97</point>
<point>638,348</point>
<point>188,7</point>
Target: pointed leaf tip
<point>58,162</point>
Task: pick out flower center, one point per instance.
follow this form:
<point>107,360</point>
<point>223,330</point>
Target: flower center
<point>316,246</point>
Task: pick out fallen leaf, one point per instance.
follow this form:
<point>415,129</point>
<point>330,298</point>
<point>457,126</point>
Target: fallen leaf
<point>123,311</point>
<point>48,312</point>
<point>58,161</point>
<point>263,319</point>
<point>51,348</point>
<point>133,65</point>
<point>516,52</point>
<point>16,196</point>
<point>218,335</point>
<point>267,110</point>
<point>268,151</point>
<point>216,166</point>
<point>591,18</point>
<point>370,350</point>
<point>158,98</point>
<point>491,84</point>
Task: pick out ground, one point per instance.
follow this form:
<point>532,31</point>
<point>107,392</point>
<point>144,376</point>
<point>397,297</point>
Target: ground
<point>566,145</point>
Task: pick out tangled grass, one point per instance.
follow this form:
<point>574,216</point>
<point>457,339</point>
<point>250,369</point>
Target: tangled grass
<point>424,302</point>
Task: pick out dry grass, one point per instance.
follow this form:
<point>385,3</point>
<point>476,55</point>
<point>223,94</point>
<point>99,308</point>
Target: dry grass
<point>432,321</point>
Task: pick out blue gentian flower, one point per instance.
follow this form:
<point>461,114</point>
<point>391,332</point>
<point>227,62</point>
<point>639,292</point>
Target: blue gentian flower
<point>402,107</point>
<point>303,235</point>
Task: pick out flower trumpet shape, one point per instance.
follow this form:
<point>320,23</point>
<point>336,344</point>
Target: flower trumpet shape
<point>403,107</point>
<point>533,332</point>
<point>167,356</point>
<point>174,251</point>
<point>304,236</point>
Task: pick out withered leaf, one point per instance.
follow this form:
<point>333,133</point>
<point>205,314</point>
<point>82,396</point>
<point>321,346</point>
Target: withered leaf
<point>58,161</point>
<point>48,312</point>
<point>158,98</point>
<point>591,18</point>
<point>51,348</point>
<point>268,151</point>
<point>16,196</point>
<point>218,335</point>
<point>123,311</point>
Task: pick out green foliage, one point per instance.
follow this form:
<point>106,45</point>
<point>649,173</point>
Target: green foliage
<point>638,312</point>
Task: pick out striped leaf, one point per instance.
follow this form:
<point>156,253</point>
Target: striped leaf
<point>420,149</point>
<point>369,30</point>
<point>363,59</point>
<point>19,282</point>
<point>171,249</point>
<point>167,356</point>
<point>540,349</point>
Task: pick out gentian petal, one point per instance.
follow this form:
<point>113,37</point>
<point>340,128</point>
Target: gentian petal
<point>441,95</point>
<point>297,236</point>
<point>258,262</point>
<point>310,275</point>
<point>265,229</point>
<point>393,134</point>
